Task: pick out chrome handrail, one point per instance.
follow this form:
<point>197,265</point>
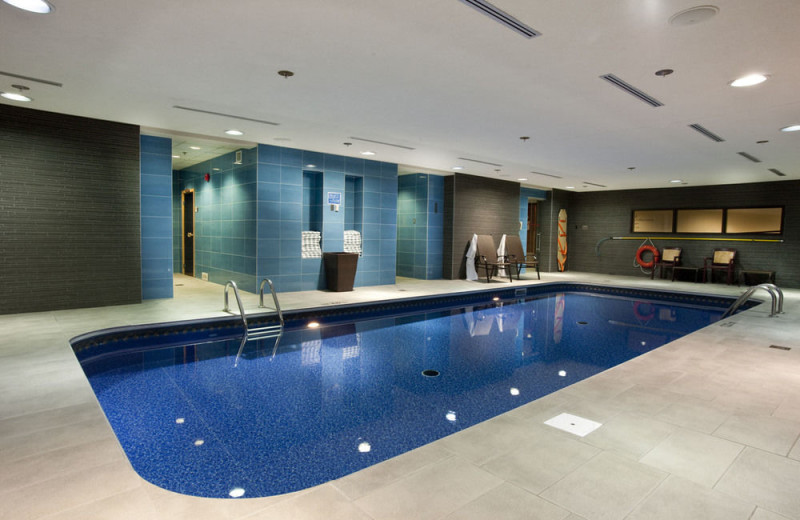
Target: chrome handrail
<point>274,298</point>
<point>226,308</point>
<point>775,294</point>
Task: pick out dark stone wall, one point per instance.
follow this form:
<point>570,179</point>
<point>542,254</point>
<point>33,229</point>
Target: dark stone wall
<point>596,216</point>
<point>475,205</point>
<point>69,212</point>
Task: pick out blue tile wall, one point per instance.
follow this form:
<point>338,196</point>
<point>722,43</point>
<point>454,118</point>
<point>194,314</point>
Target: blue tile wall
<point>420,226</point>
<point>156,220</point>
<point>226,219</point>
<point>284,209</point>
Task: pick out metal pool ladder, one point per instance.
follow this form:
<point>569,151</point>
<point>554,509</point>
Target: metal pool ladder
<point>256,333</point>
<point>774,292</point>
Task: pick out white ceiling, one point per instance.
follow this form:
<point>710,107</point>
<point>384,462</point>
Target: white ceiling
<point>438,77</point>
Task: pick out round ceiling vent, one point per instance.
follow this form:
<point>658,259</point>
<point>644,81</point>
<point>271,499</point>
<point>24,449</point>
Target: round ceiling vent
<point>694,15</point>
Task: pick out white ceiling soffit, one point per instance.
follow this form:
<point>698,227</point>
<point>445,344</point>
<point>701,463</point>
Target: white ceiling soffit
<point>434,86</point>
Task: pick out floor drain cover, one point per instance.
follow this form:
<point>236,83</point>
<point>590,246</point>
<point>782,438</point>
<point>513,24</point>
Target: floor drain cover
<point>430,373</point>
<point>573,424</point>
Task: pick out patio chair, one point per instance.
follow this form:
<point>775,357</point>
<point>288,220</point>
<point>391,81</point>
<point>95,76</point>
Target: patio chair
<point>722,260</point>
<point>487,259</point>
<point>517,256</point>
<point>668,259</point>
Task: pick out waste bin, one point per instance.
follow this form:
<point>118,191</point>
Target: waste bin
<point>340,270</point>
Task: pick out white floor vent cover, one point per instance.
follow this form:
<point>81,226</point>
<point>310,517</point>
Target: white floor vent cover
<point>573,424</point>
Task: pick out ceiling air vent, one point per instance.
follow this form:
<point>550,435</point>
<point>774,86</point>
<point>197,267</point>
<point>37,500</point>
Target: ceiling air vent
<point>547,175</point>
<point>480,162</point>
<point>243,118</point>
<point>633,91</point>
<point>749,157</point>
<point>777,172</point>
<point>706,132</point>
<point>382,142</point>
<point>502,17</point>
<point>593,184</point>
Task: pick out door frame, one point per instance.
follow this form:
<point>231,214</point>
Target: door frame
<point>184,231</point>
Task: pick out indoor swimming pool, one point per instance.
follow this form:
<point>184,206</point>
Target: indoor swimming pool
<point>197,416</point>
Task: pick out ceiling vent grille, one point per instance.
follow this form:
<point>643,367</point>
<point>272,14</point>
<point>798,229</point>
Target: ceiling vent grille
<point>547,175</point>
<point>201,111</point>
<point>593,184</point>
<point>749,157</point>
<point>633,91</point>
<point>480,162</point>
<point>706,132</point>
<point>28,78</point>
<point>502,17</point>
<point>383,143</point>
<point>777,172</point>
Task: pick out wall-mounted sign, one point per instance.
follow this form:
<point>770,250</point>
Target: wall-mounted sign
<point>334,197</point>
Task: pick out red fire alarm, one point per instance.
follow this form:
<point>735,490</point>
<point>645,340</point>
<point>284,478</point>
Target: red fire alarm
<point>207,177</point>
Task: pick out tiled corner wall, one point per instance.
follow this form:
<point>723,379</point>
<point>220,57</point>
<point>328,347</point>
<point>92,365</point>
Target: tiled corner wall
<point>225,221</point>
<point>156,216</point>
<point>69,211</point>
<point>420,226</point>
<point>280,217</point>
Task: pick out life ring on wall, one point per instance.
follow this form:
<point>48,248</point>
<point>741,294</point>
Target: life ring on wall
<point>641,251</point>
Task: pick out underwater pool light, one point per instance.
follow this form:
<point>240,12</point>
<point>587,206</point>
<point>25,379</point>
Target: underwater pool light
<point>364,447</point>
<point>450,416</point>
<point>514,391</point>
<point>236,492</point>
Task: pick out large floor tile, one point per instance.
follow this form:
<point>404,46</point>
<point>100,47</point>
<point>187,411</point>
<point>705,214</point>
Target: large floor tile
<point>607,487</point>
<point>695,414</point>
<point>766,433</point>
<point>542,462</point>
<point>374,477</point>
<point>693,455</point>
<point>432,492</point>
<point>630,434</point>
<point>509,503</point>
<point>321,503</point>
<point>679,498</point>
<point>768,480</point>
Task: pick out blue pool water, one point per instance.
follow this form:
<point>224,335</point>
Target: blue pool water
<point>194,419</point>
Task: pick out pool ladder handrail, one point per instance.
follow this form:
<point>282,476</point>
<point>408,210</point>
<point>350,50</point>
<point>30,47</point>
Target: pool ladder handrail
<point>255,333</point>
<point>774,292</point>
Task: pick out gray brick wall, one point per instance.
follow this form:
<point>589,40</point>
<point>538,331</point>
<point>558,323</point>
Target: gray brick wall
<point>596,216</point>
<point>475,205</point>
<point>69,211</point>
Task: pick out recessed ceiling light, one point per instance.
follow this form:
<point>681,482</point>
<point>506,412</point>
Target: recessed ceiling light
<point>749,80</point>
<point>522,179</point>
<point>790,128</point>
<point>694,15</point>
<point>676,181</point>
<point>195,147</point>
<point>570,187</point>
<point>176,156</point>
<point>367,153</point>
<point>311,165</point>
<point>33,6</point>
<point>233,131</point>
<point>457,168</point>
<point>17,96</point>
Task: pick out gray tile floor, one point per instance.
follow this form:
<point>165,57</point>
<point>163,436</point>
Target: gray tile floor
<point>705,427</point>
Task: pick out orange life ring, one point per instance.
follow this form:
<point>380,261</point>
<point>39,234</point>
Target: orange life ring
<point>640,260</point>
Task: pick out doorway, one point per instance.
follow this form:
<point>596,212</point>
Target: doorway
<point>187,232</point>
<point>533,237</point>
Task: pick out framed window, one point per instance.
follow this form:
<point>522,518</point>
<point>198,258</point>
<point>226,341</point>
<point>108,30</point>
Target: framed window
<point>699,221</point>
<point>652,220</point>
<point>754,220</point>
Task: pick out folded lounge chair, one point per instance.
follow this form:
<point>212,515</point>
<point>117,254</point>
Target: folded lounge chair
<point>487,259</point>
<point>518,258</point>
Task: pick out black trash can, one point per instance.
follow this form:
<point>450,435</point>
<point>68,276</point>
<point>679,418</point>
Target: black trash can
<point>340,270</point>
